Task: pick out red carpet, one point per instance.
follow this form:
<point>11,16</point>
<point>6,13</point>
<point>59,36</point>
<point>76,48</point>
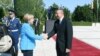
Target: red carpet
<point>80,48</point>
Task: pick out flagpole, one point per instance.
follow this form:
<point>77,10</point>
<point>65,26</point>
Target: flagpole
<point>97,10</point>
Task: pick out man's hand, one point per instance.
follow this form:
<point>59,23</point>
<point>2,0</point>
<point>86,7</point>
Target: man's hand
<point>67,50</point>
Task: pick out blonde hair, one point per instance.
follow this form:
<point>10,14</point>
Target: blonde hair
<point>28,17</point>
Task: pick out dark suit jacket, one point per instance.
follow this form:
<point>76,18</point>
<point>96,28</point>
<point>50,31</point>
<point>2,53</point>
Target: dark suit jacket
<point>64,33</point>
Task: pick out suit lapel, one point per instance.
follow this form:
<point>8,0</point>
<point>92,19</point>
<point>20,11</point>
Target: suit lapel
<point>60,25</point>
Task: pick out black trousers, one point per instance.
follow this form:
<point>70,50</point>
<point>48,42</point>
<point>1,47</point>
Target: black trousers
<point>27,52</point>
<point>61,52</point>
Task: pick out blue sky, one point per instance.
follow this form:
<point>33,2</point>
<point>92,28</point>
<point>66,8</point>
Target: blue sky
<point>70,4</point>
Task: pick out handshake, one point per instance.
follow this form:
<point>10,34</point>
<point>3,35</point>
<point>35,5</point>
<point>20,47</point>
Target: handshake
<point>45,36</point>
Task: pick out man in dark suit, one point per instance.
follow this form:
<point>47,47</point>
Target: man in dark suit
<point>63,29</point>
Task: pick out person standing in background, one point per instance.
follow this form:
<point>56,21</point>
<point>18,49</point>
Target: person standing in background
<point>13,26</point>
<point>4,20</point>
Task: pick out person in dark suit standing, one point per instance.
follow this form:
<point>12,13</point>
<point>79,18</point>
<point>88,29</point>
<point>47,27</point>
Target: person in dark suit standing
<point>63,29</point>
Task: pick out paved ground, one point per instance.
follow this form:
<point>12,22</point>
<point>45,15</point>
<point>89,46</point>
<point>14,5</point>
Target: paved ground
<point>44,48</point>
<point>89,35</point>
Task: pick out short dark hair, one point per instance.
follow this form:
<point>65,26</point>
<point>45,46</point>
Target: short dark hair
<point>60,8</point>
<point>12,10</point>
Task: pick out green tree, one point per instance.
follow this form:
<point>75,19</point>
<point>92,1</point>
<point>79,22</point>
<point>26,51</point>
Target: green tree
<point>1,12</point>
<point>6,4</point>
<point>35,7</point>
<point>67,13</point>
<point>82,13</point>
<point>54,7</point>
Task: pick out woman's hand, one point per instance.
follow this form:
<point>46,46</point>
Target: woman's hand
<point>45,36</point>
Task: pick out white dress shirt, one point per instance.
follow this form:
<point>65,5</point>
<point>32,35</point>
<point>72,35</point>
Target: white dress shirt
<point>60,20</point>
